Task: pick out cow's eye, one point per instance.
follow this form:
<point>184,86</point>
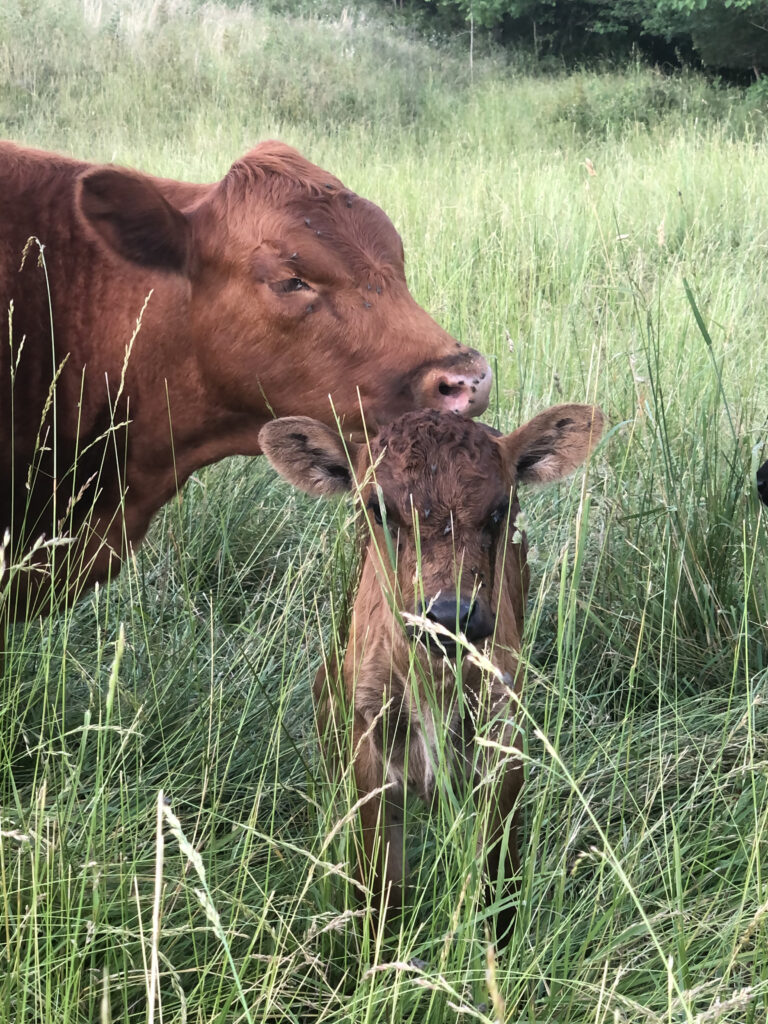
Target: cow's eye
<point>292,284</point>
<point>498,515</point>
<point>374,508</point>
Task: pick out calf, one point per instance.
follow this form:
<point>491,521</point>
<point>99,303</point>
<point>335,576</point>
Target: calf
<point>444,554</point>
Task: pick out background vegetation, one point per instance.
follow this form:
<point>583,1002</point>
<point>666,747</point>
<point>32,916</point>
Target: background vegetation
<point>730,35</point>
<point>600,236</point>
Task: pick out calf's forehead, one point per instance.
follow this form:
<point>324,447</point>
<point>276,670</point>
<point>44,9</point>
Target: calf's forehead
<point>443,463</point>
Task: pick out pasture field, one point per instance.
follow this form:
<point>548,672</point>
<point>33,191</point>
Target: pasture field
<point>172,847</point>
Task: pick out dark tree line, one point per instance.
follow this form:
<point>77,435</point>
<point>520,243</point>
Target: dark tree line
<point>722,34</point>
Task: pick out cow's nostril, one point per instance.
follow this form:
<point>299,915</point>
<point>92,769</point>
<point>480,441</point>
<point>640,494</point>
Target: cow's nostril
<point>461,385</point>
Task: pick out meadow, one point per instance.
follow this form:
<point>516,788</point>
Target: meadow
<point>173,848</point>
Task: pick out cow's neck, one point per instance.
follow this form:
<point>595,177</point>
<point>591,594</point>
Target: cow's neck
<point>164,455</point>
<point>177,422</point>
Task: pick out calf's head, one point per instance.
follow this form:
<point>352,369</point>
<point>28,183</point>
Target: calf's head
<point>440,492</point>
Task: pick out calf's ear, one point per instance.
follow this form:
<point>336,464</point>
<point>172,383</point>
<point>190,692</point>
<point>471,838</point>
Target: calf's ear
<point>134,219</point>
<point>552,444</point>
<point>309,455</point>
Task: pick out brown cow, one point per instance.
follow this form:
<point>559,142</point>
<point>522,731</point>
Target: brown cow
<point>259,295</point>
<point>441,493</point>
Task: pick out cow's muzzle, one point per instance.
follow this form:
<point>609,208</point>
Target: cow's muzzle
<point>460,384</point>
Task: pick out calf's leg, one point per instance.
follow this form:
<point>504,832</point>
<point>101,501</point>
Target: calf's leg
<point>500,768</point>
<point>381,857</point>
<point>382,863</point>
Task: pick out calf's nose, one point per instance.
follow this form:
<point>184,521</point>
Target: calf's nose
<point>467,617</point>
<point>461,385</point>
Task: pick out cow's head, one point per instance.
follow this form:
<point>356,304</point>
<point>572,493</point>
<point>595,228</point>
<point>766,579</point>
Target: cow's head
<point>296,291</point>
<point>443,489</point>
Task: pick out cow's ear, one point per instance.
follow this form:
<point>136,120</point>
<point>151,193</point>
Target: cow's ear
<point>552,444</point>
<point>134,219</point>
<point>309,455</point>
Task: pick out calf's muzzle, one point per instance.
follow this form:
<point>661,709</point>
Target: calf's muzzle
<point>467,616</point>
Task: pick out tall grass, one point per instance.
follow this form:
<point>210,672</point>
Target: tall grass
<point>601,237</point>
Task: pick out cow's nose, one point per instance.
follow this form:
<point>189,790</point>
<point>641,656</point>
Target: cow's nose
<point>463,385</point>
<point>467,616</point>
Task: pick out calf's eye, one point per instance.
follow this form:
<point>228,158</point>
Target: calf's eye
<point>291,284</point>
<point>374,508</point>
<point>499,514</point>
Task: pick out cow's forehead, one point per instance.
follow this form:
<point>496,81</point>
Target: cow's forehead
<point>314,214</point>
<point>357,231</point>
<point>441,462</point>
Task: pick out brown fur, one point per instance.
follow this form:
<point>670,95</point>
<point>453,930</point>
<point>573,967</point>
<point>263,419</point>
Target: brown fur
<point>454,484</point>
<point>226,339</point>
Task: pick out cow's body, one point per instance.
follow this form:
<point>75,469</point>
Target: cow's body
<point>259,295</point>
<point>416,713</point>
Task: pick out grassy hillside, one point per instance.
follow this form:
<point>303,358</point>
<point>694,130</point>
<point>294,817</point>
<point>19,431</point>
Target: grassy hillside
<point>601,237</point>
